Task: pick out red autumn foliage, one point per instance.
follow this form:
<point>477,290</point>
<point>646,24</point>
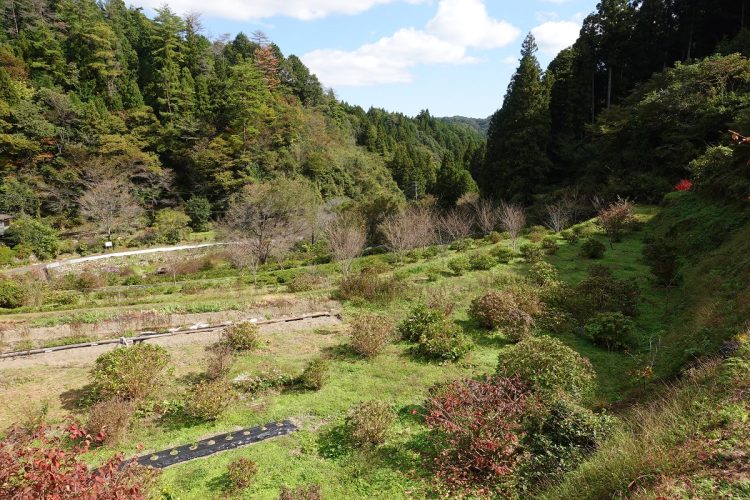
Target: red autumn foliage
<point>684,185</point>
<point>47,464</point>
<point>479,427</point>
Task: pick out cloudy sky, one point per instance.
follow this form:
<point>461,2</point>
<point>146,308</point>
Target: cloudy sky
<point>453,57</point>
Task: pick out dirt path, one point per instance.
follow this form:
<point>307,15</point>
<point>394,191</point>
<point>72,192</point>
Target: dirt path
<point>81,260</point>
<point>86,356</point>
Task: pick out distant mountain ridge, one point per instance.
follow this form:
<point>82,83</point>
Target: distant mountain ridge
<point>481,125</point>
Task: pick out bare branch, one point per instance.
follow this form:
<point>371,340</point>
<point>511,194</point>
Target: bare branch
<point>347,237</point>
<point>512,220</point>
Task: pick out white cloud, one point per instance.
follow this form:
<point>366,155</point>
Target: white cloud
<point>466,23</point>
<point>245,10</point>
<point>510,60</point>
<point>386,61</point>
<point>458,26</point>
<point>553,36</point>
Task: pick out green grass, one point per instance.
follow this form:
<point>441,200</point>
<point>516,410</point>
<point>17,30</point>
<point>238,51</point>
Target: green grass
<point>396,470</point>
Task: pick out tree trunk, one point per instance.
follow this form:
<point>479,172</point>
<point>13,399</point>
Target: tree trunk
<point>609,86</point>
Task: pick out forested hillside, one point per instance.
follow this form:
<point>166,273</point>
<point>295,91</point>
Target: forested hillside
<point>94,91</point>
<point>648,87</point>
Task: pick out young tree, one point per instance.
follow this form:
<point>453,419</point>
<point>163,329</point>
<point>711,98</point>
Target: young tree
<point>347,236</point>
<point>243,254</point>
<point>456,224</point>
<point>559,215</point>
<point>109,204</point>
<point>409,229</point>
<point>615,219</point>
<point>271,215</point>
<point>487,215</point>
<point>512,220</point>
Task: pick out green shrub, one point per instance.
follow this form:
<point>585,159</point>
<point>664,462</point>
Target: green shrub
<point>368,286</point>
<point>550,245</point>
<point>503,254</point>
<point>463,244</point>
<point>570,236</point>
<point>315,375</point>
<point>209,399</point>
<point>593,249</point>
<point>23,251</point>
<point>368,424</point>
<point>549,367</point>
<point>559,438</point>
<point>531,252</point>
<point>662,258</point>
<point>241,473</point>
<point>611,330</point>
<point>512,312</point>
<point>172,226</point>
<point>494,237</point>
<point>370,333</point>
<point>26,232</point>
<point>444,340</point>
<point>306,282</point>
<point>6,255</point>
<point>537,233</point>
<point>130,373</point>
<point>12,294</point>
<point>420,319</point>
<point>543,274</point>
<point>198,209</point>
<point>459,265</point>
<point>242,336</point>
<point>482,262</point>
<point>601,292</point>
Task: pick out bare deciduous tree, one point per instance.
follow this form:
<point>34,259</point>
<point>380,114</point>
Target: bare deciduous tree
<point>487,215</point>
<point>271,216</point>
<point>456,224</point>
<point>110,205</point>
<point>347,236</point>
<point>559,215</point>
<point>243,256</point>
<point>512,220</point>
<point>410,229</point>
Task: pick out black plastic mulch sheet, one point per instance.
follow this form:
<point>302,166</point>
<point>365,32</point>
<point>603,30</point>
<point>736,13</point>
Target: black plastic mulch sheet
<point>216,444</point>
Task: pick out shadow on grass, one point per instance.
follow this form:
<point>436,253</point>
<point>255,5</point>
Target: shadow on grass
<point>220,483</point>
<point>76,400</point>
<point>481,336</point>
<point>340,352</point>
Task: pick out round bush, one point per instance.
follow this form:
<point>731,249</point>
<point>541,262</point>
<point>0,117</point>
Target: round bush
<point>12,295</point>
<point>503,254</point>
<point>482,262</point>
<point>26,232</point>
<point>611,330</point>
<point>370,333</point>
<point>418,322</point>
<point>459,265</point>
<point>570,236</point>
<point>241,473</point>
<point>543,274</point>
<point>305,282</point>
<point>444,340</point>
<point>209,399</point>
<point>109,419</point>
<point>593,249</point>
<point>462,245</point>
<point>242,336</point>
<point>531,252</point>
<point>549,367</point>
<point>495,237</point>
<point>130,373</point>
<point>511,312</point>
<point>550,245</point>
<point>368,424</point>
<point>315,375</point>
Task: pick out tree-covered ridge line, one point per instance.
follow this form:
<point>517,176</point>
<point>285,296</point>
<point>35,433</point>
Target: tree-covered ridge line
<point>95,92</point>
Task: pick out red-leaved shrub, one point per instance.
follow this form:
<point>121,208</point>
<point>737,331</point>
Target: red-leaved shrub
<point>684,185</point>
<point>478,429</point>
<point>40,466</point>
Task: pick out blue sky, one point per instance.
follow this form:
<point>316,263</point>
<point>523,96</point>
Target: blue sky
<point>453,57</point>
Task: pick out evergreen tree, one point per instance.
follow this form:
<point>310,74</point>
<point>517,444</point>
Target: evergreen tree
<point>516,164</point>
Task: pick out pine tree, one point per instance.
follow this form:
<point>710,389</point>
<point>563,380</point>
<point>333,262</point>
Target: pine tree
<point>516,163</point>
